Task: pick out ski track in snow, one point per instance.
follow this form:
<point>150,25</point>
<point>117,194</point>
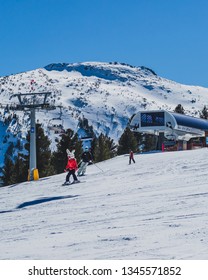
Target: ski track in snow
<point>154,209</point>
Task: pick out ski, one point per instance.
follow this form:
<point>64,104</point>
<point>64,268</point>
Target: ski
<point>73,183</point>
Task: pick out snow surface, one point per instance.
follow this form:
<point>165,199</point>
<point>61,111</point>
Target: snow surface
<point>154,209</point>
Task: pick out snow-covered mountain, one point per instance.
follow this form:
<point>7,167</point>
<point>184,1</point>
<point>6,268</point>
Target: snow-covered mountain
<point>153,209</point>
<point>107,94</point>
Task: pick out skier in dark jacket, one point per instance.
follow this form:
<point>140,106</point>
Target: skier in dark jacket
<point>86,158</point>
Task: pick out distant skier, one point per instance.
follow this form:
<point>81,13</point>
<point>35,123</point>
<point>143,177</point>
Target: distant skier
<point>131,157</point>
<point>86,158</point>
<point>71,168</point>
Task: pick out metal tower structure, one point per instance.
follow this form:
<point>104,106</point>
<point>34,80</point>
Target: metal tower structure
<point>37,101</point>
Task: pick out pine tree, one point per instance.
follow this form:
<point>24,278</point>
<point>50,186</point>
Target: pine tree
<point>126,142</point>
<point>103,148</point>
<point>179,109</point>
<point>146,142</point>
<point>43,151</point>
<point>16,168</point>
<point>70,141</point>
<point>140,138</point>
<point>7,171</point>
<point>150,142</point>
<point>204,113</point>
<point>20,170</point>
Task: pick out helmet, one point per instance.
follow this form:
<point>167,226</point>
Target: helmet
<point>70,155</point>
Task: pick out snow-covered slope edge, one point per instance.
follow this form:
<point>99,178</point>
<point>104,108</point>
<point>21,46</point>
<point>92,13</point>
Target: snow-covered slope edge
<point>154,209</point>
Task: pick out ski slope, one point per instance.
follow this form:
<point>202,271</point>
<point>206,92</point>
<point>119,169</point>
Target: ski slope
<point>154,209</point>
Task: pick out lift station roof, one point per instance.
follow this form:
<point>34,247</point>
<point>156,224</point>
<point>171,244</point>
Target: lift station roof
<point>178,126</point>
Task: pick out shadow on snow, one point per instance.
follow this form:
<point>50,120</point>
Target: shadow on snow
<point>38,201</point>
<point>43,200</point>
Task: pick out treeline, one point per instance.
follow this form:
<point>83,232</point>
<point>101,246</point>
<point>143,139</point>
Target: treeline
<point>16,163</point>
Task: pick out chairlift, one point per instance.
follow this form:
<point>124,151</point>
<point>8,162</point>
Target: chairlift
<point>57,128</point>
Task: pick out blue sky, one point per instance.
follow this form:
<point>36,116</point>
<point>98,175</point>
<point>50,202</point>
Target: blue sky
<point>168,36</point>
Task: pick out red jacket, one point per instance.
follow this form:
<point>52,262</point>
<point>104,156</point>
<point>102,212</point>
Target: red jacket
<point>72,164</point>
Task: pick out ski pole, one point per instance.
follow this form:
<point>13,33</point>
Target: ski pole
<point>98,167</point>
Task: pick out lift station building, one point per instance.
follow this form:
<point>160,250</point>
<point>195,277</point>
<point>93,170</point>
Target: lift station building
<point>175,131</point>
